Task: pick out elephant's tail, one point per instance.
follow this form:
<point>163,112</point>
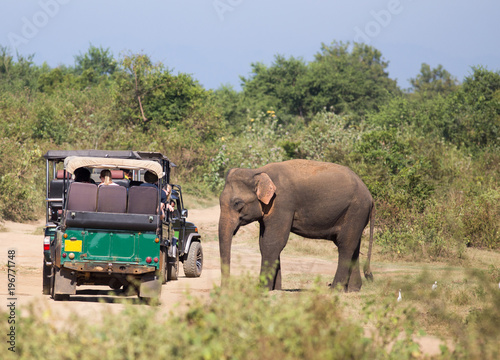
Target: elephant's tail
<point>366,269</point>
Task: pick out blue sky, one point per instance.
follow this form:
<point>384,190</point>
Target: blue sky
<point>216,40</point>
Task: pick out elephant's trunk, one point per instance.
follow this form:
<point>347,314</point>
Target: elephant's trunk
<point>227,228</point>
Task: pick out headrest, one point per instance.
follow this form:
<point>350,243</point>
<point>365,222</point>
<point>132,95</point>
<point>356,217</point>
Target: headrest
<point>117,174</point>
<point>60,174</point>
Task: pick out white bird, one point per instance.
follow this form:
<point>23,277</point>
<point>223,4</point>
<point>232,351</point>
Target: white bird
<point>435,285</point>
<point>399,297</point>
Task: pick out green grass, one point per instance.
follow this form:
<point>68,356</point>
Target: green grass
<point>243,321</point>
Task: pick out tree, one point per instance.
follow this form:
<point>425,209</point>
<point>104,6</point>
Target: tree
<point>150,93</point>
<point>100,60</point>
<point>479,102</point>
<point>230,102</point>
<point>17,75</point>
<point>279,86</point>
<point>342,78</point>
<point>433,81</point>
<point>345,78</point>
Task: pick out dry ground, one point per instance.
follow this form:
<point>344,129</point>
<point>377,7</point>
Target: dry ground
<point>299,271</point>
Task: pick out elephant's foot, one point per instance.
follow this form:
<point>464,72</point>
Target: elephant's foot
<point>354,283</point>
<point>346,289</point>
<point>271,283</point>
<point>337,286</point>
<point>353,288</point>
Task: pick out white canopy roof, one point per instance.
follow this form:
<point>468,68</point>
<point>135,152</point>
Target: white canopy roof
<point>72,163</point>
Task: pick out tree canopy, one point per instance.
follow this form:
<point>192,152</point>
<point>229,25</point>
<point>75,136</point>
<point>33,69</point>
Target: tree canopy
<point>342,78</point>
<point>428,154</point>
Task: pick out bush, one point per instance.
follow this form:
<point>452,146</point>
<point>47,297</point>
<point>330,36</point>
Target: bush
<point>20,188</point>
<point>328,137</point>
<point>239,322</point>
<point>243,321</point>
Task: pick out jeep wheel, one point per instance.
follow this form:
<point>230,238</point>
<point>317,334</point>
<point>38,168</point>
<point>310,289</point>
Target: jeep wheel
<point>46,282</point>
<point>173,267</point>
<point>194,262</point>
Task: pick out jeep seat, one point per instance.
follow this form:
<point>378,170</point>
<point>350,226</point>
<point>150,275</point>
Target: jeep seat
<point>82,197</point>
<point>112,199</point>
<point>142,200</point>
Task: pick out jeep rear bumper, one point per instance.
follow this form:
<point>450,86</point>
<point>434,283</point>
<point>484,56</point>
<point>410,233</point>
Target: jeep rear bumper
<point>110,268</point>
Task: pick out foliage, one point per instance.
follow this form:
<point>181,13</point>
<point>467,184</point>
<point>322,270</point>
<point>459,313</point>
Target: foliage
<point>281,86</point>
<point>240,322</point>
<point>230,103</point>
<point>20,190</point>
<point>467,117</point>
<point>431,82</point>
<point>342,78</point>
<point>17,75</point>
<point>98,60</point>
<point>429,156</point>
<point>349,81</point>
<point>148,92</point>
<point>243,321</point>
<point>328,137</point>
<point>257,145</point>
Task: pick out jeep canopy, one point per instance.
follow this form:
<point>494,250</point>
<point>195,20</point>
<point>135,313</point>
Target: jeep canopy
<point>72,163</point>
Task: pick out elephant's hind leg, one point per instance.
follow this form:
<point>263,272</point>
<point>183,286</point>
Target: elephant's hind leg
<point>354,283</point>
<point>348,275</point>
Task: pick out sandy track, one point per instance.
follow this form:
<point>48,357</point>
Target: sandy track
<point>92,301</point>
<point>27,241</point>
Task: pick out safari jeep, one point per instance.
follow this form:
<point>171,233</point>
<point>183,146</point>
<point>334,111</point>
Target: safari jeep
<point>114,235</point>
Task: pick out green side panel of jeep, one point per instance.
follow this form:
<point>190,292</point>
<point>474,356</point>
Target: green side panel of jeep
<point>111,246</point>
<point>104,245</point>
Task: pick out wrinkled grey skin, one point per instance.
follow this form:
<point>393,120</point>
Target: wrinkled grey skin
<point>312,199</point>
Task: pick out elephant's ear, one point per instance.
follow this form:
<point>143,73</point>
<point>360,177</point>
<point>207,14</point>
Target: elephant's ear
<point>265,187</point>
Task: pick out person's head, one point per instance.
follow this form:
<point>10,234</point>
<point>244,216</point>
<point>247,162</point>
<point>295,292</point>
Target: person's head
<point>105,176</point>
<point>105,173</point>
<point>150,177</point>
<point>82,175</point>
<point>127,174</point>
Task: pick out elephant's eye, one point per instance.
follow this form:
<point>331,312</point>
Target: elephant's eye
<point>238,204</point>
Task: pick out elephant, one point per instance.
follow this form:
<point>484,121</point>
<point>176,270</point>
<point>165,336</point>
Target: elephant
<point>313,199</point>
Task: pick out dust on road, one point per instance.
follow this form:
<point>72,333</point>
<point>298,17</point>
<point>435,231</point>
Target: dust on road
<point>92,301</point>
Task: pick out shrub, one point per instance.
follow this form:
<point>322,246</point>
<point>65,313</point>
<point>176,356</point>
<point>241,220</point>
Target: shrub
<point>20,188</point>
<point>239,322</point>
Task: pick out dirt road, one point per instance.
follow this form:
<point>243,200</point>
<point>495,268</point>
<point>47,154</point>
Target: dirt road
<point>91,301</point>
<point>27,242</point>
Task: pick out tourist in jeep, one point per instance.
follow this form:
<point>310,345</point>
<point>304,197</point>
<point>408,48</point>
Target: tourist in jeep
<point>170,203</point>
<point>83,175</point>
<point>106,178</point>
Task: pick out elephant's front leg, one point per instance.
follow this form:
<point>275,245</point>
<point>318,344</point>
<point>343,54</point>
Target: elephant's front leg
<point>270,274</point>
<point>272,240</point>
